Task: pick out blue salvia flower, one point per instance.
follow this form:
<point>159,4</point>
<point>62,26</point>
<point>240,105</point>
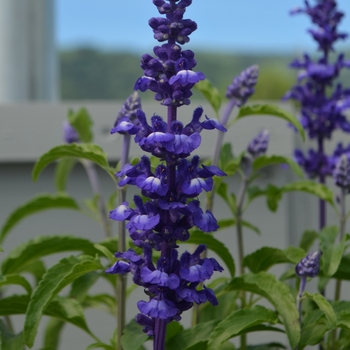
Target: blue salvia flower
<point>258,146</point>
<point>341,173</point>
<point>70,135</point>
<point>309,266</point>
<point>171,208</point>
<point>243,86</point>
<point>322,100</point>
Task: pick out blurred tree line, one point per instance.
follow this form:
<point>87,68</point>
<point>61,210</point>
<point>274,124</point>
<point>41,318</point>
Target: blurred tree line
<point>88,73</point>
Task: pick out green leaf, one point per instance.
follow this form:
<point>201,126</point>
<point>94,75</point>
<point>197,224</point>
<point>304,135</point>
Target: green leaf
<point>273,196</point>
<point>36,268</point>
<point>104,302</point>
<point>15,279</point>
<point>251,227</point>
<point>332,252</point>
<point>188,338</point>
<point>271,110</point>
<point>62,171</point>
<point>211,94</point>
<point>265,160</point>
<point>311,187</point>
<point>325,306</point>
<point>214,245</point>
<point>82,123</point>
<point>342,311</point>
<point>279,296</point>
<point>308,239</point>
<point>10,341</point>
<point>37,204</point>
<point>87,151</point>
<point>266,257</point>
<point>230,199</point>
<point>1,249</point>
<point>314,328</point>
<point>232,325</point>
<point>26,253</point>
<point>57,277</point>
<point>133,336</point>
<point>227,162</point>
<point>81,285</point>
<point>52,333</point>
<point>225,223</point>
<point>65,309</point>
<point>343,271</point>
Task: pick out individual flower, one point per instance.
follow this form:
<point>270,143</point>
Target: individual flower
<point>70,135</point>
<point>341,173</point>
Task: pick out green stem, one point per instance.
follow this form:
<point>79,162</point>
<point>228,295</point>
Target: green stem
<point>239,227</point>
<point>96,189</point>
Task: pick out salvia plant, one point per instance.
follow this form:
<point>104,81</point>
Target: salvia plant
<point>175,196</point>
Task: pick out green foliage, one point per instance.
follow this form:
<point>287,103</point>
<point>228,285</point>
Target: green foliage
<point>87,151</point>
<point>211,94</point>
<point>133,337</point>
<point>56,278</point>
<point>265,160</point>
<point>332,252</point>
<point>266,257</point>
<point>10,341</point>
<point>278,294</point>
<point>62,171</point>
<point>82,123</point>
<point>37,204</point>
<point>266,109</point>
<point>237,322</point>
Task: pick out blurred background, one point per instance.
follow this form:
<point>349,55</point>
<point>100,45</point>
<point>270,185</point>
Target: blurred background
<point>75,49</point>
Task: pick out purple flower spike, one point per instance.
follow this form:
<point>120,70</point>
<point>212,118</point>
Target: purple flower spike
<point>341,172</point>
<point>70,135</point>
<point>243,86</point>
<point>309,266</point>
<point>258,145</point>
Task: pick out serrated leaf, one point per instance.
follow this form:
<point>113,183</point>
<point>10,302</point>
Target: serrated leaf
<point>15,279</point>
<point>216,246</point>
<point>88,151</point>
<point>325,306</point>
<point>211,94</point>
<point>62,171</point>
<point>36,268</point>
<point>35,205</point>
<point>332,252</point>
<point>266,257</point>
<point>32,250</point>
<point>232,325</point>
<point>311,187</point>
<point>308,239</point>
<point>188,338</point>
<point>279,296</point>
<point>82,123</point>
<point>266,109</point>
<point>57,277</point>
<point>265,160</point>
<point>342,311</point>
<point>229,198</point>
<point>81,286</point>
<point>133,336</point>
<point>10,341</point>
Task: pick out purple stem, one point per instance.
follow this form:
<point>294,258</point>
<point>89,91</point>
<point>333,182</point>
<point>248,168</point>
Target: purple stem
<point>322,180</point>
<point>160,325</point>
<point>121,285</point>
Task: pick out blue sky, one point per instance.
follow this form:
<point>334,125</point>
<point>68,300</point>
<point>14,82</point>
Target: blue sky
<point>226,25</point>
